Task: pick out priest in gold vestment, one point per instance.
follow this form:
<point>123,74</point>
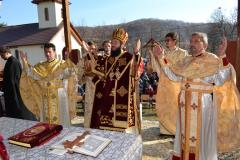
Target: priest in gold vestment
<point>48,89</point>
<point>114,102</point>
<point>207,108</point>
<point>173,54</point>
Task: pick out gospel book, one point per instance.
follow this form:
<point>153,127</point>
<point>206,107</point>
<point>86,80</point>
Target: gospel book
<point>36,135</point>
<point>90,145</point>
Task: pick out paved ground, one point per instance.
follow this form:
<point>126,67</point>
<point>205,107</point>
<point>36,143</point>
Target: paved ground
<point>155,147</point>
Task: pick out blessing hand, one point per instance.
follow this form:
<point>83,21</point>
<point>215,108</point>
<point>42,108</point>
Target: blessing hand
<point>137,47</point>
<point>157,50</point>
<point>23,55</point>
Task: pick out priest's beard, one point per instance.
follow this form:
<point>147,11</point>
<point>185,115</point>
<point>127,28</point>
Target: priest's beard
<point>195,52</point>
<point>116,52</point>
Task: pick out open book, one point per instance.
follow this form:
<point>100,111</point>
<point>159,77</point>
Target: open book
<point>90,145</point>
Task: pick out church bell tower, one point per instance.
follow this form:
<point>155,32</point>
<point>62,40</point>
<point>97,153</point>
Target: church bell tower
<point>49,13</point>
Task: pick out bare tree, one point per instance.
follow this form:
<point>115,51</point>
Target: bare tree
<point>226,25</point>
<point>233,21</point>
<point>221,25</point>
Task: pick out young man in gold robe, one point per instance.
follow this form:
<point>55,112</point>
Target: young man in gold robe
<point>114,102</point>
<point>48,89</point>
<point>207,108</point>
<point>173,54</point>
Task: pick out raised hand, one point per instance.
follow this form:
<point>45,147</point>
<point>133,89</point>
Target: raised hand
<point>137,46</point>
<point>157,49</point>
<point>23,55</point>
<point>222,47</point>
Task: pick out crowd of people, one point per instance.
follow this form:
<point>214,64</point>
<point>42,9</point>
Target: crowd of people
<point>197,99</point>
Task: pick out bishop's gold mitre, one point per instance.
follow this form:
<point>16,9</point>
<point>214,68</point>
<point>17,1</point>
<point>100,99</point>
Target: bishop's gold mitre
<point>121,35</point>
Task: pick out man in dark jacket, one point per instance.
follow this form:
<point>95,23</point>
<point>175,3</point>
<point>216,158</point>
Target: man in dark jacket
<point>11,76</point>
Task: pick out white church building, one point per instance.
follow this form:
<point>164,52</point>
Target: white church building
<point>30,38</point>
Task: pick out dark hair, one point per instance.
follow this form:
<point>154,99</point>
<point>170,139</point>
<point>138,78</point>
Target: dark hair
<point>4,50</point>
<point>90,43</point>
<point>106,41</point>
<point>50,45</point>
<point>173,35</point>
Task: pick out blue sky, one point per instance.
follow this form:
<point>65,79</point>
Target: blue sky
<point>102,12</point>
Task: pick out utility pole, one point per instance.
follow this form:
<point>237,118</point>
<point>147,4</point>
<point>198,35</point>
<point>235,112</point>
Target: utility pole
<point>66,23</point>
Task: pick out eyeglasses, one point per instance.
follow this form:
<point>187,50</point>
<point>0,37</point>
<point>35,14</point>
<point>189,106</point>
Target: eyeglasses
<point>195,41</point>
<point>168,40</point>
